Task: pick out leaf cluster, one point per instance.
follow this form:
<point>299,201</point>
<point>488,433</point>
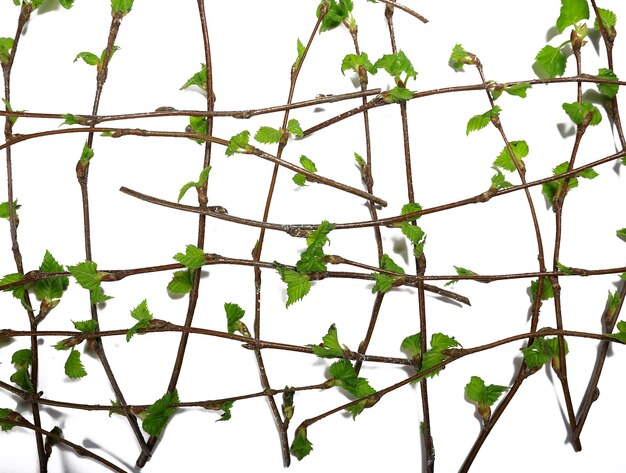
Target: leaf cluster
<point>553,190</point>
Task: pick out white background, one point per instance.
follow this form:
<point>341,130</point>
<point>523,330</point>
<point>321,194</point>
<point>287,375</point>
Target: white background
<point>253,46</point>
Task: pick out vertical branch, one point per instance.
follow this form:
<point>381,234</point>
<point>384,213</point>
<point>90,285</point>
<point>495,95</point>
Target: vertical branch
<point>25,12</point>
<point>82,174</point>
<point>202,201</point>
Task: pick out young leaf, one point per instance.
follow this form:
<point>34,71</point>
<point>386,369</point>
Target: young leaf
<point>434,356</point>
<point>413,344</point>
<point>550,62</point>
<point>298,284</point>
<point>142,314</point>
<point>301,446</point>
<point>547,291</point>
<point>67,4</point>
<point>621,234</point>
<point>338,12</point>
<point>612,304</point>
<point>504,160</point>
<point>181,283</point>
<point>384,282</point>
<point>608,90</point>
<point>233,314</point>
<point>518,90</point>
<point>330,347</point>
<point>565,269</point>
<point>69,119</point>
<point>355,62</point>
<point>159,414</point>
<point>198,125</point>
<point>572,11</point>
<point>293,126</point>
<point>226,406</point>
<point>307,164</point>
<point>6,44</point>
<point>268,135</point>
<point>86,326</point>
<point>50,441</point>
<point>360,162</point>
<point>300,47</point>
<point>199,79</point>
<point>73,366</point>
<point>202,180</point>
<point>482,396</point>
<point>238,143</point>
<point>299,179</point>
<point>498,181</point>
<point>478,122</point>
<point>460,57</point>
<point>461,272</point>
<point>554,189</point>
<point>50,288</point>
<point>345,377</point>
<point>22,359</point>
<point>89,58</point>
<point>7,414</point>
<point>541,351</point>
<point>578,111</point>
<point>8,107</point>
<point>312,259</point>
<point>122,6</point>
<point>396,64</point>
<point>193,258</point>
<point>621,332</point>
<point>411,208</point>
<point>86,274</point>
<point>609,20</point>
<point>18,292</point>
<point>398,95</point>
<point>86,154</point>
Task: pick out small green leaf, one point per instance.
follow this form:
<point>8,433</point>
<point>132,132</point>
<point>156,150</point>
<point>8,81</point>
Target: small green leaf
<point>578,111</point>
<point>299,179</point>
<point>6,414</point>
<point>233,314</point>
<point>461,272</point>
<point>330,347</point>
<point>181,283</point>
<point>89,58</point>
<point>518,90</point>
<point>4,209</point>
<point>86,154</point>
<point>621,234</point>
<point>609,20</point>
<point>565,269</point>
<point>547,291</point>
<point>6,44</point>
<point>572,11</point>
<point>160,413</point>
<point>621,332</point>
<point>413,344</point>
<point>411,208</point>
<point>7,105</point>
<point>22,359</point>
<point>98,297</point>
<point>50,288</point>
<point>300,47</point>
<point>268,135</point>
<point>396,65</point>
<point>142,314</point>
<point>498,181</point>
<point>198,125</point>
<point>298,284</point>
<point>608,90</point>
<point>434,356</point>
<point>345,377</point>
<point>86,326</point>
<point>398,95</point>
<point>312,259</point>
<point>414,233</point>
<point>238,143</point>
<point>550,62</point>
<point>69,119</point>
<point>384,282</point>
<point>612,304</point>
<point>460,57</point>
<point>86,274</point>
<point>202,180</point>
<point>553,189</point>
<point>18,292</point>
<point>338,12</point>
<point>293,126</point>
<point>122,6</point>
<point>193,258</point>
<point>478,122</point>
<point>104,52</point>
<point>541,351</point>
<point>360,162</point>
<point>307,164</point>
<point>226,406</point>
<point>355,62</point>
<point>504,160</point>
<point>199,79</point>
<point>73,366</point>
<point>301,446</point>
<point>477,392</point>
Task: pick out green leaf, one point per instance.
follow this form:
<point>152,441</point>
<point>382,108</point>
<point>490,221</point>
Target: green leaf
<point>621,234</point>
<point>226,406</point>
<point>434,356</point>
<point>461,272</point>
<point>360,162</point>
<point>98,297</point>
<point>398,95</point>
<point>553,189</point>
<point>413,344</point>
<point>345,377</point>
<point>478,393</point>
<point>609,20</point>
<point>612,304</point>
<point>86,274</point>
<point>67,4</point>
<point>73,366</point>
<point>104,52</point>
<point>608,90</point>
<point>411,208</point>
<point>160,413</point>
<point>233,314</point>
<point>199,79</point>
<point>300,47</point>
<point>181,283</point>
<point>498,181</point>
<point>301,446</point>
<point>384,282</point>
<point>86,154</point>
<point>50,288</point>
<point>69,119</point>
<point>355,62</point>
<point>338,12</point>
<point>572,11</point>
<point>460,57</point>
<point>4,209</point>
<point>389,264</point>
<point>565,269</point>
<point>298,284</point>
<point>621,334</point>
<point>307,164</point>
<point>86,326</point>
<point>21,377</point>
<point>550,62</point>
<point>142,314</point>
<point>578,111</point>
<point>22,358</point>
<point>192,259</point>
<point>89,58</point>
<point>123,6</point>
<point>396,64</point>
<point>299,179</point>
<point>268,135</point>
<point>330,347</point>
<point>518,90</point>
<point>478,122</point>
<point>198,125</point>
<point>7,105</point>
<point>547,291</point>
<point>18,292</point>
<point>293,126</point>
<point>6,44</point>
<point>238,143</point>
<point>415,235</point>
<point>312,259</point>
<point>6,414</point>
<point>202,180</point>
<point>504,160</point>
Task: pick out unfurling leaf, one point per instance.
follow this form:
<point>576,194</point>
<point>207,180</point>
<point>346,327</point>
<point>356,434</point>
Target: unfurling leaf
<point>193,258</point>
<point>338,12</point>
<point>199,79</point>
<point>298,284</point>
<point>202,180</point>
<point>478,122</point>
<point>301,446</point>
<point>6,44</point>
<point>312,259</point>
<point>122,6</point>
<point>384,282</point>
<point>159,413</point>
<point>74,368</point>
<point>541,351</point>
<point>234,313</point>
<point>238,143</point>
<point>579,111</point>
<point>504,159</point>
<point>330,347</point>
<point>293,127</point>
<point>482,396</point>
<point>142,314</point>
<point>460,57</point>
